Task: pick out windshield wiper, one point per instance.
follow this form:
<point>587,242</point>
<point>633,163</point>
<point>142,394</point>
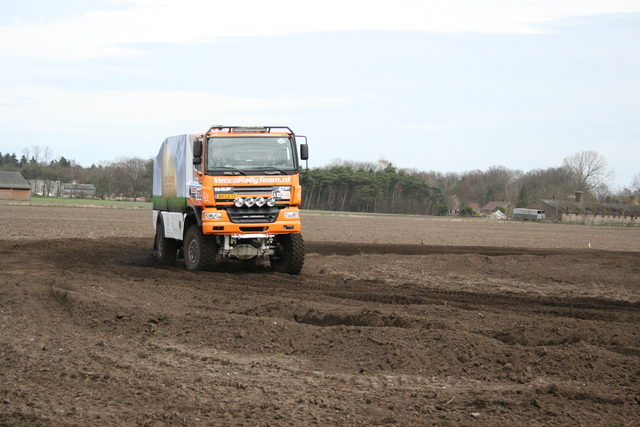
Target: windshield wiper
<point>228,170</point>
<point>274,169</point>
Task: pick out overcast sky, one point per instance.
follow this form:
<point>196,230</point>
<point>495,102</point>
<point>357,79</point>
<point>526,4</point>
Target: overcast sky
<point>449,86</point>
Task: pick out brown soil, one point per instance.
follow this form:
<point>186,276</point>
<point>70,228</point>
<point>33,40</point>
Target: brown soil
<point>394,321</point>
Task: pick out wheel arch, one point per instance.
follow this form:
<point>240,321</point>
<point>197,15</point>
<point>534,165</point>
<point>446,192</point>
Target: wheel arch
<point>193,217</point>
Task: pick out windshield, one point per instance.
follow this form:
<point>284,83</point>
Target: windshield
<point>250,153</point>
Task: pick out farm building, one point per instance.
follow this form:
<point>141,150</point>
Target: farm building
<point>48,188</point>
<point>579,211</point>
<point>82,191</point>
<point>45,187</point>
<point>13,186</point>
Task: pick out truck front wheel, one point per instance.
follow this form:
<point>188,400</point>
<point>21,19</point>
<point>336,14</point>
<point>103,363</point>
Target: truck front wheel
<point>199,249</point>
<point>289,256</point>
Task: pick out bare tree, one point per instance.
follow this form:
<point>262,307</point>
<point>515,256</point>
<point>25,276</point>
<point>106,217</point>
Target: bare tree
<point>603,192</point>
<point>134,169</point>
<point>102,177</point>
<point>501,183</point>
<point>635,184</point>
<point>541,184</point>
<point>588,170</point>
<point>75,171</point>
<point>38,168</point>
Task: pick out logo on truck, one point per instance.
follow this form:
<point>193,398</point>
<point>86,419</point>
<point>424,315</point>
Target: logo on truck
<point>169,177</point>
<point>254,180</point>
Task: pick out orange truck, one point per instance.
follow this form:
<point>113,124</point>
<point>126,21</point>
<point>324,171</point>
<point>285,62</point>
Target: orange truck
<point>232,192</point>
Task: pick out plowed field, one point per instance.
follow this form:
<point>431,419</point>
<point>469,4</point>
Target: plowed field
<point>393,321</point>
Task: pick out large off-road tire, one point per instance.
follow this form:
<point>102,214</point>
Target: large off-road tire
<point>289,256</point>
<point>166,248</point>
<point>199,250</point>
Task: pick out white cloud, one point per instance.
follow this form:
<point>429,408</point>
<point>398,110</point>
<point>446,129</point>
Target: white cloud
<point>107,33</point>
<point>89,126</point>
<point>24,106</point>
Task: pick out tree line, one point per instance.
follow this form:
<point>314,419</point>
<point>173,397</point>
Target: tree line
<point>367,187</point>
<point>380,187</point>
<point>586,171</point>
<point>123,178</point>
<point>361,186</point>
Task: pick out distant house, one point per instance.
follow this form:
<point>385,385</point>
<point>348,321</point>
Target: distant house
<point>81,191</point>
<point>491,206</point>
<point>454,204</point>
<point>13,186</point>
<point>594,212</point>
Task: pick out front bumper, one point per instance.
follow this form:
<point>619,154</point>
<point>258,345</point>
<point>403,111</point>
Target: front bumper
<point>287,222</point>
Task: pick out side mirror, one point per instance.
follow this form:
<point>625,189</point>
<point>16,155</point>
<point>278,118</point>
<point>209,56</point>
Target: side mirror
<point>304,151</point>
<point>197,152</point>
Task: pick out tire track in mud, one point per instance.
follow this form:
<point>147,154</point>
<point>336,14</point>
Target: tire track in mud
<point>348,249</point>
<point>104,253</point>
<point>396,311</point>
<point>583,308</point>
<point>374,291</point>
<point>205,290</point>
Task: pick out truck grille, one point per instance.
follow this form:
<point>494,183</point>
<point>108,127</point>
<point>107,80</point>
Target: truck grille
<point>243,191</point>
<point>253,215</point>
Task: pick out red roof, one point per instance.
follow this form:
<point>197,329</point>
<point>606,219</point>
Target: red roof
<point>492,205</point>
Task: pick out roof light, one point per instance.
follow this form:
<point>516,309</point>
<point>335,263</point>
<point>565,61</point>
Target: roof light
<point>250,129</point>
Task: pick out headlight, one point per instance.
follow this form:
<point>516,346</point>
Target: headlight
<point>258,201</point>
<point>212,215</point>
<point>293,214</point>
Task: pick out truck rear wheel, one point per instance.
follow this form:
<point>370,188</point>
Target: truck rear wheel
<point>199,250</point>
<point>289,256</point>
<point>166,248</point>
